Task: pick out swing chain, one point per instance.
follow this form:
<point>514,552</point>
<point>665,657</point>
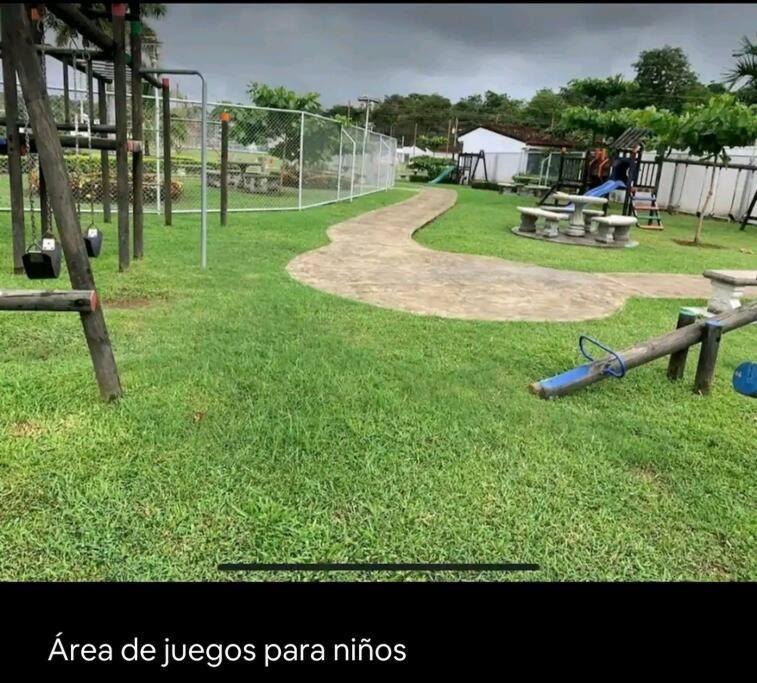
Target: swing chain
<point>89,143</point>
<point>27,142</point>
<point>43,60</point>
<point>77,163</point>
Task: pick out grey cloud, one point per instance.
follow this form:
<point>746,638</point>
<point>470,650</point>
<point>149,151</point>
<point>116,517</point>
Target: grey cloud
<point>343,51</point>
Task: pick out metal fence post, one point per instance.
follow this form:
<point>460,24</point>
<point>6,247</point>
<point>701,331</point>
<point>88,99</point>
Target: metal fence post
<point>388,164</point>
<point>157,149</point>
<point>204,178</point>
<point>339,170</point>
<point>362,160</point>
<point>380,161</point>
<point>302,158</point>
<point>354,159</point>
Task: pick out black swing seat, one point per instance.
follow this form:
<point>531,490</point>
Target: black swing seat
<point>93,240</point>
<point>43,259</point>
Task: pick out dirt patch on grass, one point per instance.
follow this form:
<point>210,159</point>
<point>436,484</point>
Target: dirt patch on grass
<point>702,245</point>
<point>129,303</point>
<point>649,475</point>
<point>25,428</point>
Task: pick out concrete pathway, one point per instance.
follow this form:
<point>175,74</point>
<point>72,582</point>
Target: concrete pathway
<point>373,258</point>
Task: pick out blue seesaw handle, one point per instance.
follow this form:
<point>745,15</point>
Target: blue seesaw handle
<point>608,370</point>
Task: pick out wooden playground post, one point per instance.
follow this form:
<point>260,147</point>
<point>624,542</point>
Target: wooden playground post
<point>224,166</point>
<point>44,205</point>
<point>66,94</point>
<point>137,157</point>
<point>677,362</point>
<point>122,164</point>
<point>166,151</point>
<point>15,173</point>
<point>102,112</point>
<point>708,356</point>
<point>18,43</point>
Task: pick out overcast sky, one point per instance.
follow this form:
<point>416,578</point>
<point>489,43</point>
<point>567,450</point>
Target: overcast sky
<point>344,51</point>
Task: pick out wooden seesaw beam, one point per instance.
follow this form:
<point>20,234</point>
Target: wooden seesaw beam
<point>673,342</point>
<point>73,300</point>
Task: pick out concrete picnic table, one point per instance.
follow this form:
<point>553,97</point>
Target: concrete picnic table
<point>576,227</point>
<point>727,288</point>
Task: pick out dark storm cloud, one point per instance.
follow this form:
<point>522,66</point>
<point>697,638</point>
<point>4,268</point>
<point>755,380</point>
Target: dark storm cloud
<point>343,51</point>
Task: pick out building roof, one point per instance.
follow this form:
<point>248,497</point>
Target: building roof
<point>630,138</point>
<point>529,136</point>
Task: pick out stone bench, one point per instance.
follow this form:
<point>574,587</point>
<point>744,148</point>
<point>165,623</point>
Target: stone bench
<point>536,190</point>
<point>234,178</point>
<point>260,184</point>
<point>529,215</point>
<point>513,187</point>
<point>589,216</point>
<point>727,288</point>
<point>613,228</point>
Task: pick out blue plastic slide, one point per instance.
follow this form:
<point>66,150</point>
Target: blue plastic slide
<point>602,190</point>
<point>605,188</point>
<point>442,175</point>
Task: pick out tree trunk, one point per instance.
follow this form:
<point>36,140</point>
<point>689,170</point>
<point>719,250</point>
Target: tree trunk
<point>698,234</point>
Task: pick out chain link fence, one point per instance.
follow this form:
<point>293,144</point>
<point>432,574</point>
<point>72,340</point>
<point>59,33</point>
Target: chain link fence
<point>278,159</point>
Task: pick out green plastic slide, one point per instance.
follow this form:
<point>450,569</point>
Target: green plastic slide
<point>442,175</point>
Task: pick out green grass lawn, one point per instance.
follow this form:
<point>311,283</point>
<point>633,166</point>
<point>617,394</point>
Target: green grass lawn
<point>234,156</point>
<point>265,421</point>
<point>287,197</point>
<point>490,216</point>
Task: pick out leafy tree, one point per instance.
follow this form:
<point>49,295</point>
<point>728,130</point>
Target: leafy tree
<point>430,113</point>
<point>64,34</point>
<point>543,109</point>
<point>664,125</point>
<point>344,120</point>
<point>613,92</point>
<point>431,166</point>
<point>707,131</point>
<point>470,106</point>
<point>502,108</point>
<point>339,110</point>
<point>280,97</point>
<point>602,126</point>
<point>664,78</point>
<point>743,74</point>
<point>279,131</point>
<point>179,131</point>
<point>432,141</point>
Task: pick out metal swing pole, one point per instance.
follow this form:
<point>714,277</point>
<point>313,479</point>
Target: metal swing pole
<point>203,155</point>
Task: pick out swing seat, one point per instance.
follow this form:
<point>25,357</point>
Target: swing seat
<point>43,259</point>
<point>93,240</point>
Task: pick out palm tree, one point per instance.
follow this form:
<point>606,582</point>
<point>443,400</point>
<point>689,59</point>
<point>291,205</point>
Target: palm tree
<point>64,34</point>
<point>744,71</point>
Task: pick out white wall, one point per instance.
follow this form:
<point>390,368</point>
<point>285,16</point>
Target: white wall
<point>489,141</point>
<point>682,189</point>
<point>501,166</point>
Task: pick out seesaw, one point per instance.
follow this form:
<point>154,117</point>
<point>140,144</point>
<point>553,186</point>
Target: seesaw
<point>689,331</point>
